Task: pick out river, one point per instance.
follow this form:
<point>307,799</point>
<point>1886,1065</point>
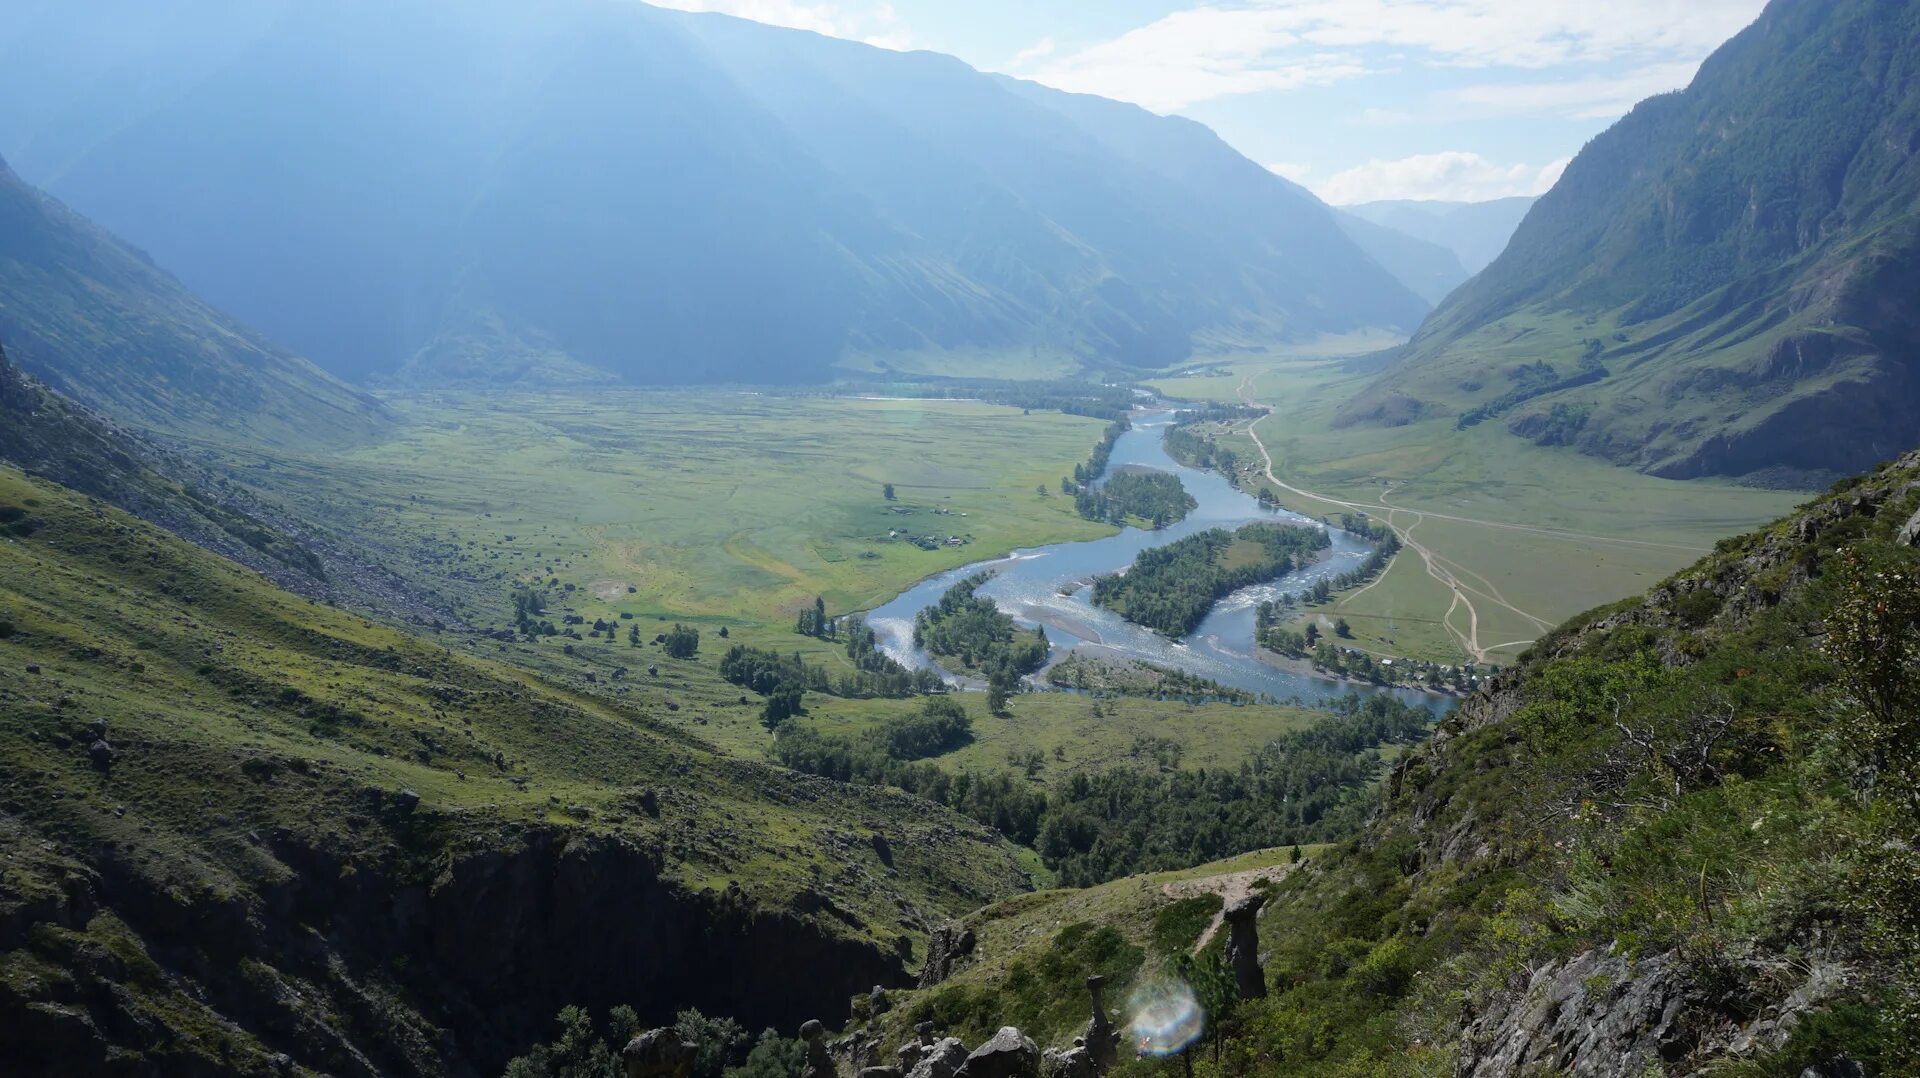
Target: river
<point>1050,586</point>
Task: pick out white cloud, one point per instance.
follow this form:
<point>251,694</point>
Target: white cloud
<point>1039,50</point>
<point>1214,51</point>
<point>1580,99</point>
<point>877,24</point>
<point>1455,176</point>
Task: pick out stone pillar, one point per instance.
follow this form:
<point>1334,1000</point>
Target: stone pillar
<point>1243,946</point>
<point>819,1064</point>
<point>1101,1038</point>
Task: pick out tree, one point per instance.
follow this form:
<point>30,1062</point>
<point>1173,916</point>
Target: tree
<point>819,616</point>
<point>1000,689</point>
<point>1342,629</point>
<point>683,642</point>
<point>887,491</point>
<point>1313,635</point>
<point>633,636</point>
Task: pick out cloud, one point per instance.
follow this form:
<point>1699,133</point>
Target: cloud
<point>1039,50</point>
<point>1213,50</point>
<point>1581,99</point>
<point>877,24</point>
<point>1454,176</point>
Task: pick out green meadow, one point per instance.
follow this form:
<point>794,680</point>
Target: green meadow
<point>1530,535</point>
<point>705,505</point>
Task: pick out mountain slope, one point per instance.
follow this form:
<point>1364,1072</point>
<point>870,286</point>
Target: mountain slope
<point>482,192</point>
<point>1719,283</point>
<point>1476,232</point>
<point>99,322</point>
<point>1427,267</point>
<point>1677,838</point>
<point>238,824</point>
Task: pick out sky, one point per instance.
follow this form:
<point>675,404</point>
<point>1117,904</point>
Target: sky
<point>1359,100</point>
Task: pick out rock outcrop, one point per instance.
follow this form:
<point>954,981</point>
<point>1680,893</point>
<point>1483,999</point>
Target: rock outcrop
<point>945,948</point>
<point>658,1053</point>
<point>1243,945</point>
<point>1593,1016</point>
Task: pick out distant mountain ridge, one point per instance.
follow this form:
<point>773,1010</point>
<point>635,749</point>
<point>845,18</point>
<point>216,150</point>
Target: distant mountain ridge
<point>1476,232</point>
<point>100,322</point>
<point>1722,283</point>
<point>592,190</point>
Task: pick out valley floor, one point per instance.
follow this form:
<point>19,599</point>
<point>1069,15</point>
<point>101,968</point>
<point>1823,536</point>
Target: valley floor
<point>1504,539</point>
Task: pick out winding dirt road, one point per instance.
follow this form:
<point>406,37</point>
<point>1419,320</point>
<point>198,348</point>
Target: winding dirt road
<point>1448,573</point>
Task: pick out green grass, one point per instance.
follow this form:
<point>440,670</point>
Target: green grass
<point>239,709</point>
<point>1045,940</point>
<point>708,504</point>
<point>1588,533</point>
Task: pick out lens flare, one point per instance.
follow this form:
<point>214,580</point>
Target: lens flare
<point>1164,1017</point>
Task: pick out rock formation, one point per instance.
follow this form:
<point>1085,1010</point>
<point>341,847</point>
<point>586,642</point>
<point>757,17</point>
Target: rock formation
<point>658,1053</point>
<point>948,944</point>
<point>1101,1039</point>
<point>1007,1054</point>
<point>942,1059</point>
<point>1243,945</point>
<point>819,1064</point>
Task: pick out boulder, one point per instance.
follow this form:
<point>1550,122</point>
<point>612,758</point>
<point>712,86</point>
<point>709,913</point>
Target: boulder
<point>1910,531</point>
<point>658,1053</point>
<point>881,1072</point>
<point>1007,1054</point>
<point>101,754</point>
<point>406,800</point>
<point>942,1059</point>
<point>1075,1062</point>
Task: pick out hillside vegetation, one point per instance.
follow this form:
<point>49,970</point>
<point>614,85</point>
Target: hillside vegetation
<point>238,823</point>
<point>1681,834</point>
<point>1719,283</point>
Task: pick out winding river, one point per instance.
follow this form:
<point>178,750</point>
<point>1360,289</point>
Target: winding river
<point>1051,585</point>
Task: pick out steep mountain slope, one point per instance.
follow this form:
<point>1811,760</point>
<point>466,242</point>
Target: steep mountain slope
<point>1678,838</point>
<point>1476,232</point>
<point>1719,283</point>
<point>99,322</point>
<point>596,189</point>
<point>46,435</point>
<point>243,831</point>
<point>1427,267</point>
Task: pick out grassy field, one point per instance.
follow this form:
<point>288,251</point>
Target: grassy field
<point>1505,538</point>
<point>706,505</point>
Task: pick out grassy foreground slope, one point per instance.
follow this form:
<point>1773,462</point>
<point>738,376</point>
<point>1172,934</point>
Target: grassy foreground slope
<point>1680,835</point>
<point>237,823</point>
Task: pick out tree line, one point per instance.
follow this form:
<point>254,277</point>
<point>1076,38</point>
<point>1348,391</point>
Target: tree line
<point>1155,497</point>
<point>1305,786</point>
<point>973,633</point>
<point>1171,588</point>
